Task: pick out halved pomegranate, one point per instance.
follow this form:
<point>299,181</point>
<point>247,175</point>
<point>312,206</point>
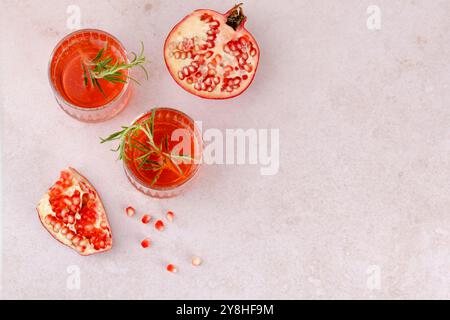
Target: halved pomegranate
<point>73,213</point>
<point>211,54</point>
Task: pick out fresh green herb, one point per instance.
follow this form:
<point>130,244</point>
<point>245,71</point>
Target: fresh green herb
<point>154,158</point>
<point>103,68</point>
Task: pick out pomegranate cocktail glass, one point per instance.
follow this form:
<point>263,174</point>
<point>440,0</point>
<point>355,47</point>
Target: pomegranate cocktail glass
<point>89,73</point>
<point>161,151</point>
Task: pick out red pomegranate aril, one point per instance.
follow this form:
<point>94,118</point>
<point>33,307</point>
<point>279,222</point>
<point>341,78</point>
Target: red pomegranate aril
<point>130,211</point>
<point>170,216</point>
<point>171,268</point>
<point>145,243</point>
<point>159,225</point>
<point>76,240</point>
<point>146,219</point>
<point>64,230</point>
<point>57,227</point>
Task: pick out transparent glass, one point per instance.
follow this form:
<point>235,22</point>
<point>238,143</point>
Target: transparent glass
<point>167,122</point>
<point>73,92</point>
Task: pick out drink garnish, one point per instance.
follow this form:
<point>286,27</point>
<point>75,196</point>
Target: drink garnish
<point>155,157</point>
<point>102,67</point>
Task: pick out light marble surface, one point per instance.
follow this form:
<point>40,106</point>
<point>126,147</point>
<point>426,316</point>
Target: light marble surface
<point>365,146</point>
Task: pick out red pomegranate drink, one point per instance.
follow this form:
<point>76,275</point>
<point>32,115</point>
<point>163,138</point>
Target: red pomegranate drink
<point>89,72</point>
<point>161,151</point>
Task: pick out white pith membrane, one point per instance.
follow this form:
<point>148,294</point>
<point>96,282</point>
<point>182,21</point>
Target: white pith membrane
<point>210,64</point>
<point>63,232</point>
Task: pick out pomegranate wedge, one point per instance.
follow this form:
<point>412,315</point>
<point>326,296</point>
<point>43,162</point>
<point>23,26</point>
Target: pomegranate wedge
<point>73,213</point>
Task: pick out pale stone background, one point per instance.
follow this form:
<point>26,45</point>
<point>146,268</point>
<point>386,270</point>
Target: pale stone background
<point>365,147</point>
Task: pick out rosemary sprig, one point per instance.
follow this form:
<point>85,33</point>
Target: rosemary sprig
<point>102,68</point>
<point>154,158</point>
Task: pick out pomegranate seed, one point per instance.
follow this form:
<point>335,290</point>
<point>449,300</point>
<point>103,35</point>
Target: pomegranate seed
<point>209,54</point>
<point>130,211</point>
<point>196,261</point>
<point>76,240</point>
<point>159,225</point>
<point>57,227</point>
<point>70,235</point>
<point>48,219</point>
<point>145,243</point>
<point>171,268</point>
<point>146,219</point>
<point>169,216</point>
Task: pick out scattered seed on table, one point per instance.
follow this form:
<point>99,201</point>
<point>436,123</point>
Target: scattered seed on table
<point>130,211</point>
<point>159,225</point>
<point>170,216</point>
<point>145,243</point>
<point>171,268</point>
<point>146,219</point>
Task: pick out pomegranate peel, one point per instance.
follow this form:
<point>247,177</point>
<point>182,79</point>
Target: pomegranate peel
<point>212,55</point>
<point>73,213</point>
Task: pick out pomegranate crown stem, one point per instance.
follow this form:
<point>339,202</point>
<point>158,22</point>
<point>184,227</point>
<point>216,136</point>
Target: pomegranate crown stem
<point>236,16</point>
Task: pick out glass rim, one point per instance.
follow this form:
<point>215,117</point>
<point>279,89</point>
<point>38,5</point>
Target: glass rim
<point>56,92</point>
<point>197,165</point>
